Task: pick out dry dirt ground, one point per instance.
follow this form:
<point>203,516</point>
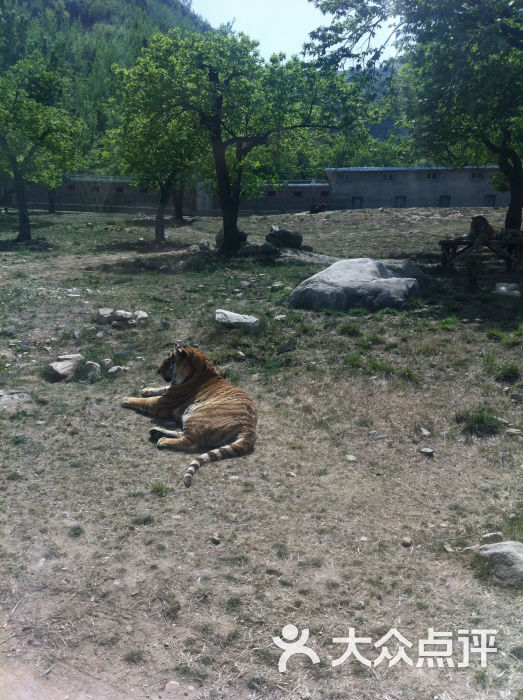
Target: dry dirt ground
<point>112,584</point>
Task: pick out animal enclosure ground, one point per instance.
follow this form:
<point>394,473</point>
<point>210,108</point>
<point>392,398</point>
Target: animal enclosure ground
<point>109,576</point>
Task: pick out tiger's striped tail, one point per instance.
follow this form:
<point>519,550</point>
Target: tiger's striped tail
<point>241,446</point>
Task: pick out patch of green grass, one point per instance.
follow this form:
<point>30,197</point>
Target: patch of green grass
<point>494,334</point>
<point>387,312</point>
<point>480,422</point>
<point>14,476</point>
<point>450,323</point>
<point>508,373</point>
<point>513,526</point>
<point>281,549</point>
<point>380,366</point>
<point>159,489</point>
<point>349,328</point>
<point>134,656</point>
<point>143,520</point>
<point>408,375</point>
<point>75,531</point>
<point>353,360</point>
<point>233,604</point>
<point>171,608</point>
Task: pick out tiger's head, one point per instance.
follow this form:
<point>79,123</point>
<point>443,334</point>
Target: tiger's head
<point>182,363</point>
<point>479,224</point>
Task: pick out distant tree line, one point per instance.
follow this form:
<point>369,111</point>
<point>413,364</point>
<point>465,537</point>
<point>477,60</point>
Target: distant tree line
<point>148,89</point>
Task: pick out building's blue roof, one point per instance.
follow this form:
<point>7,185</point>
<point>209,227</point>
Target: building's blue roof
<point>408,169</point>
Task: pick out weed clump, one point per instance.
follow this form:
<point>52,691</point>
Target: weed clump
<point>480,422</point>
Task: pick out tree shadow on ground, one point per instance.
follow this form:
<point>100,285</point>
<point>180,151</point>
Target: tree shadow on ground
<point>140,246</point>
<point>36,244</point>
<point>169,223</point>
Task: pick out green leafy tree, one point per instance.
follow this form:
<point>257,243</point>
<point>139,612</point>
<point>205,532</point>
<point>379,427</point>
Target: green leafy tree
<point>242,102</point>
<point>39,138</point>
<point>461,82</point>
<point>156,141</point>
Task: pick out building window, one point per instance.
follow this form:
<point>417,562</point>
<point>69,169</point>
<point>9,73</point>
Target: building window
<point>270,193</point>
<point>400,201</point>
<point>70,187</point>
<point>298,193</point>
<point>95,188</point>
<point>357,203</point>
<point>344,177</point>
<point>324,193</point>
<point>119,189</point>
<point>143,190</point>
<point>489,200</point>
<point>389,176</point>
<point>432,176</point>
<point>476,175</point>
<point>444,200</point>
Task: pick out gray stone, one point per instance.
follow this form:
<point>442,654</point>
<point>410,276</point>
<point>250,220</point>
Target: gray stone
<point>141,317</point>
<point>64,367</point>
<point>107,362</point>
<point>10,399</point>
<point>117,370</point>
<point>347,284</point>
<point>104,316</point>
<point>507,290</point>
<point>234,320</point>
<point>283,238</point>
<point>93,370</point>
<point>492,537</point>
<point>506,560</point>
<point>427,451</point>
<point>122,316</point>
<point>75,357</point>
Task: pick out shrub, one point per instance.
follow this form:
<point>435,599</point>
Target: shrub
<point>480,422</point>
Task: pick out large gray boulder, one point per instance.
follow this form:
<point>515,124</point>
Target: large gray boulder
<point>362,282</point>
<point>506,559</point>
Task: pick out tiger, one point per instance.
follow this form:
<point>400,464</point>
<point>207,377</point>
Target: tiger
<point>481,231</point>
<point>213,413</point>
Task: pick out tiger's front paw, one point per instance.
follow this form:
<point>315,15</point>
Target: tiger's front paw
<point>126,403</point>
<point>162,443</point>
<point>149,391</point>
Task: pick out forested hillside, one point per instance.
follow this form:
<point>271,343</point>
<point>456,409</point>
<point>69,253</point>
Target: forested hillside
<point>86,37</point>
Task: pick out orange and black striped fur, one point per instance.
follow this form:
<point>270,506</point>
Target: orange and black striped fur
<point>215,416</point>
<point>481,231</point>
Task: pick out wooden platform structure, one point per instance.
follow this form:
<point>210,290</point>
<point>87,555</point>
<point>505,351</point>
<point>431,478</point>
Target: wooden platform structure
<point>508,249</point>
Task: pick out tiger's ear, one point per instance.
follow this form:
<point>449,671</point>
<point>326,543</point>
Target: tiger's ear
<point>180,351</point>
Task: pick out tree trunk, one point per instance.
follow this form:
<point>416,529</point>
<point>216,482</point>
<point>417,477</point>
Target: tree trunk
<point>24,225</point>
<point>511,166</point>
<point>51,201</point>
<point>228,202</point>
<point>159,224</point>
<point>178,204</point>
<point>513,215</point>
